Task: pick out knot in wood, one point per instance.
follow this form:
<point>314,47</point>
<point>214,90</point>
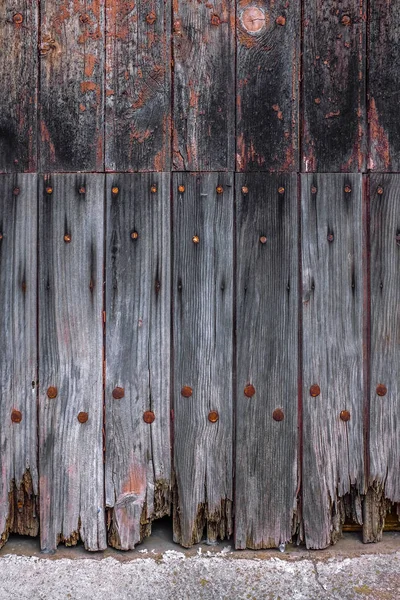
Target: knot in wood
<point>253,19</point>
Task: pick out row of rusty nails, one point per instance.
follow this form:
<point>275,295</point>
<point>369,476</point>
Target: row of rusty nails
<point>16,416</point>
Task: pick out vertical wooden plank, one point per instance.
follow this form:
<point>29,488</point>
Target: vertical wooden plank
<point>138,300</point>
<point>202,342</point>
<point>18,77</point>
<point>71,85</point>
<point>334,55</point>
<point>18,356</point>
<point>384,448</point>
<point>138,80</point>
<point>383,85</point>
<point>203,86</point>
<point>332,296</point>
<point>71,224</point>
<point>268,72</point>
<point>266,476</point>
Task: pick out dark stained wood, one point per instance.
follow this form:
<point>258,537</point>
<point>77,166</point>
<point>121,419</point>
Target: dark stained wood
<point>138,301</point>
<point>383,88</point>
<point>334,80</point>
<point>202,343</point>
<point>332,355</point>
<point>204,83</point>
<point>71,85</point>
<point>138,78</point>
<point>384,448</point>
<point>18,77</point>
<point>18,356</point>
<point>268,71</point>
<point>71,349</point>
<point>266,476</point>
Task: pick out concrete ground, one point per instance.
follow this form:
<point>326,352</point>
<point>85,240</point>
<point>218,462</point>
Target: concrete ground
<point>161,570</point>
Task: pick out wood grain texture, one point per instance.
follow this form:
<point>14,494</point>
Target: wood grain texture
<point>71,85</point>
<point>383,85</point>
<point>202,342</point>
<point>268,71</point>
<point>204,84</point>
<point>71,353</point>
<point>266,475</point>
<point>332,296</point>
<point>138,82</point>
<point>18,77</point>
<point>334,80</point>
<point>138,301</point>
<point>18,356</point>
<point>384,449</point>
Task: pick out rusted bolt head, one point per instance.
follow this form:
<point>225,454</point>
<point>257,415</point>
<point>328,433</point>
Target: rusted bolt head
<point>134,235</point>
<point>346,20</point>
<point>16,191</point>
<point>220,189</point>
<point>315,390</point>
<point>281,20</point>
<point>49,190</point>
<point>381,389</point>
<point>82,190</point>
<point>253,19</point>
<point>186,391</point>
<point>249,391</point>
<point>18,18</point>
<point>16,416</point>
<point>151,18</point>
<point>83,417</point>
<point>118,393</point>
<point>263,239</point>
<point>153,188</point>
<point>347,189</point>
<point>52,392</point>
<point>195,239</point>
<point>380,190</point>
<point>313,189</point>
<point>278,415</point>
<point>181,189</point>
<point>245,190</point>
<point>281,190</point>
<point>215,20</point>
<point>115,190</point>
<point>213,416</point>
<point>148,416</point>
<point>345,415</point>
<point>330,237</point>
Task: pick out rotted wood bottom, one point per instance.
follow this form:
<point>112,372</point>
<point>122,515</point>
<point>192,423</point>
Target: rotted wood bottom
<point>23,517</point>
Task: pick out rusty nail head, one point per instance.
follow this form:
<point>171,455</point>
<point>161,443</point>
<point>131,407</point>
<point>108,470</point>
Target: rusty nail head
<point>313,189</point>
<point>84,19</point>
<point>83,417</point>
<point>263,239</point>
<point>153,189</point>
<point>346,20</point>
<point>381,389</point>
<point>347,189</point>
<point>186,391</point>
<point>18,18</point>
<point>148,416</point>
<point>16,191</point>
<point>151,18</point>
<point>67,238</point>
<point>249,390</point>
<point>281,20</point>
<point>16,416</point>
<point>215,20</point>
<point>220,189</point>
<point>245,190</point>
<point>82,190</point>
<point>281,190</point>
<point>115,190</point>
<point>49,190</point>
<point>315,390</point>
<point>52,392</point>
<point>278,415</point>
<point>181,189</point>
<point>345,415</point>
<point>118,393</point>
<point>195,239</point>
<point>317,100</point>
<point>380,190</point>
<point>134,235</point>
<point>330,237</point>
<point>213,416</point>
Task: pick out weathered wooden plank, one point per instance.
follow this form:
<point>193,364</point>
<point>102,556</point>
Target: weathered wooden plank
<point>266,476</point>
<point>384,443</point>
<point>332,354</point>
<point>71,232</point>
<point>334,80</point>
<point>18,77</point>
<point>138,301</point>
<point>383,85</point>
<point>204,84</point>
<point>268,71</point>
<point>71,85</point>
<point>18,356</point>
<point>138,80</point>
<point>202,342</point>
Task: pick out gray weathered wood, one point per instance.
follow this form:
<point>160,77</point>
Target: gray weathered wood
<point>384,441</point>
<point>266,476</point>
<point>138,77</point>
<point>18,356</point>
<point>332,296</point>
<point>202,343</point>
<point>70,359</point>
<point>138,314</point>
<point>18,90</point>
